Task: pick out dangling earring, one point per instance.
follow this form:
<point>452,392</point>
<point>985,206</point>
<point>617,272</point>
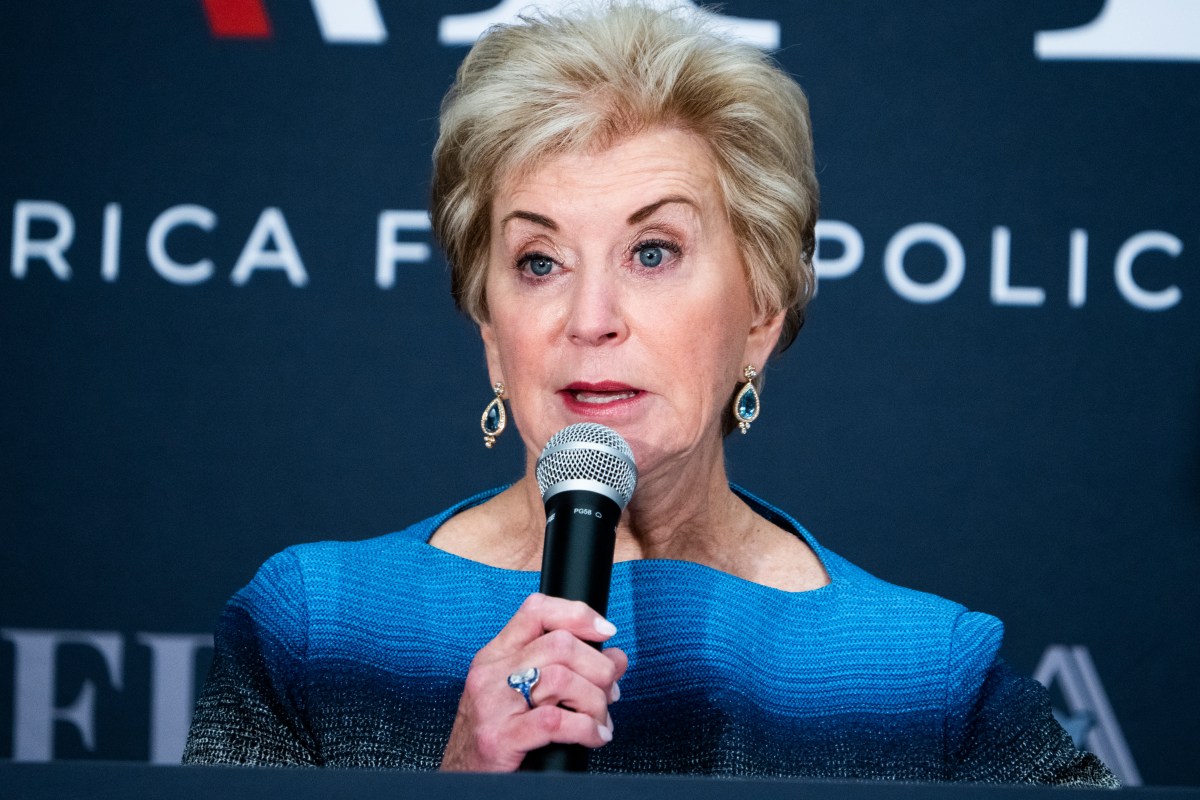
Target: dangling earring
<point>494,419</point>
<point>745,404</point>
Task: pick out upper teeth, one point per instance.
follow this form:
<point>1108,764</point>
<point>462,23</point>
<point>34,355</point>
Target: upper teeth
<point>602,397</point>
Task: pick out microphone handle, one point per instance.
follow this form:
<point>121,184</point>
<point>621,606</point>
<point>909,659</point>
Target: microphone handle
<point>581,532</point>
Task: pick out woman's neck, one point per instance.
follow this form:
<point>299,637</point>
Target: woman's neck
<point>684,511</point>
<point>697,518</point>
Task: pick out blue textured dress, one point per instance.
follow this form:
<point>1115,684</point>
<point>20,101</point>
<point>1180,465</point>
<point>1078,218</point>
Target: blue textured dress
<point>355,654</point>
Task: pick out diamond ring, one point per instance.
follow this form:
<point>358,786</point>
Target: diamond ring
<point>524,682</point>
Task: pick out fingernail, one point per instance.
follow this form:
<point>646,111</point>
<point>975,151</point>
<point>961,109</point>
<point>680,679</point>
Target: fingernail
<point>605,627</point>
<point>605,733</point>
<point>615,694</point>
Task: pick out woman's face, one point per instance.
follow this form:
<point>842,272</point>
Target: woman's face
<point>617,295</point>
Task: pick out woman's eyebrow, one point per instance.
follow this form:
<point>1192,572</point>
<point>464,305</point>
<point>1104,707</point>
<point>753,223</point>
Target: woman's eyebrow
<point>645,211</point>
<point>638,216</point>
<point>536,219</point>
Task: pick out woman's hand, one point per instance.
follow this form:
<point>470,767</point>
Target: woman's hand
<point>494,728</point>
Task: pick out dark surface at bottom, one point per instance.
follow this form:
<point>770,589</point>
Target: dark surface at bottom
<point>100,780</point>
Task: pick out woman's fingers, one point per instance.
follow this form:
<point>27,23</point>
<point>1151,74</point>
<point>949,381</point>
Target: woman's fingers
<point>502,747</point>
<point>540,614</point>
<point>620,661</point>
<point>561,647</point>
<point>559,685</point>
<point>494,727</point>
<point>546,724</point>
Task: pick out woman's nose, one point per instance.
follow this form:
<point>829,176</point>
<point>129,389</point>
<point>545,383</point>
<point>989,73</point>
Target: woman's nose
<point>596,315</point>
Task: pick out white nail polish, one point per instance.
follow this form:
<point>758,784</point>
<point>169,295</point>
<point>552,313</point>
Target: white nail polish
<point>615,693</point>
<point>605,627</point>
<point>605,733</point>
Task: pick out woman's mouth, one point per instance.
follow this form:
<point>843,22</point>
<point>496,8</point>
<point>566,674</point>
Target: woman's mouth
<point>600,398</point>
<point>607,396</point>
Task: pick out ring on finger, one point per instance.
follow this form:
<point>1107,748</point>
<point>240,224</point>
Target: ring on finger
<point>524,682</point>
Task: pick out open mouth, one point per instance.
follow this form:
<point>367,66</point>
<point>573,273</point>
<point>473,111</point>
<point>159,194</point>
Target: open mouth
<point>599,395</point>
<point>601,398</point>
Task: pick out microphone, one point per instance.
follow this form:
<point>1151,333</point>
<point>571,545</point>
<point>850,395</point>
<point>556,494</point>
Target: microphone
<point>586,475</point>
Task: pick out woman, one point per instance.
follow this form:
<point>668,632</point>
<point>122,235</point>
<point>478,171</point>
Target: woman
<point>627,203</point>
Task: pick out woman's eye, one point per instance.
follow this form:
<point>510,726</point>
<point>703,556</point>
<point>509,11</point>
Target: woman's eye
<point>650,256</point>
<point>537,265</point>
<point>655,253</point>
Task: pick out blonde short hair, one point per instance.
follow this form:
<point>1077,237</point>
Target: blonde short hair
<point>583,81</point>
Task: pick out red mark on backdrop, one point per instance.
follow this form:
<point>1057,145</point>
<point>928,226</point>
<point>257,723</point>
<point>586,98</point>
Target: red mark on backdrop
<point>238,19</point>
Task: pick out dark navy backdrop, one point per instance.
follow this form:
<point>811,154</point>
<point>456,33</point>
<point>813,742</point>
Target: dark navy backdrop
<point>187,391</point>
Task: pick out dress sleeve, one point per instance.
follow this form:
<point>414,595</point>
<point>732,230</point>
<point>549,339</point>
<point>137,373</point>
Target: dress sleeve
<point>999,725</point>
<point>252,707</point>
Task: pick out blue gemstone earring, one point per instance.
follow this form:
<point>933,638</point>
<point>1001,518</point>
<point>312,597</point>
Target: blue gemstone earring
<point>745,404</point>
<point>494,419</point>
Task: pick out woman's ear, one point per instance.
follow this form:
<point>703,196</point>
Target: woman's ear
<point>492,353</point>
<point>763,336</point>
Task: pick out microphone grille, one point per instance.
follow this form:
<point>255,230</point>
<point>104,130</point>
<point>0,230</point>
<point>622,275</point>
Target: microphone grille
<point>587,451</point>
